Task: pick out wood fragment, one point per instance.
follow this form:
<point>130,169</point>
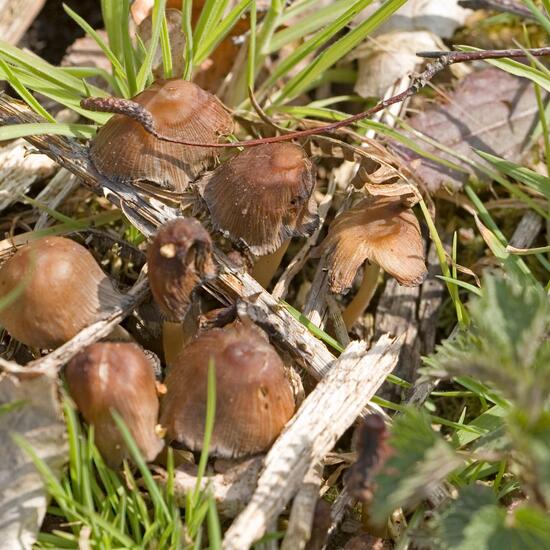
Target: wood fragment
<point>323,417</point>
<point>303,509</point>
<point>16,16</point>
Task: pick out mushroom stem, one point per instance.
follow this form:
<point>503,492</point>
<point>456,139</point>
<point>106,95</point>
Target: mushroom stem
<point>364,295</point>
<point>265,266</point>
<point>172,340</point>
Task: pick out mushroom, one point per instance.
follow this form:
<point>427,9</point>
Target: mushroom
<point>254,398</point>
<point>108,377</point>
<point>57,289</point>
<point>382,231</point>
<point>124,151</point>
<point>262,198</point>
<point>179,260</point>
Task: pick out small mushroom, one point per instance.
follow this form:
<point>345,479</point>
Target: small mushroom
<point>179,259</point>
<point>253,400</point>
<point>262,198</point>
<point>382,231</point>
<point>124,151</point>
<point>57,289</point>
<point>108,377</point>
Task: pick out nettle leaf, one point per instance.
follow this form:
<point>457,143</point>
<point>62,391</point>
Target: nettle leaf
<point>422,459</point>
<point>506,344</point>
<point>475,521</point>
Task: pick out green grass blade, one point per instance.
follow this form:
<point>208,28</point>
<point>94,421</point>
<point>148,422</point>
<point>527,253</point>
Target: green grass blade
<point>25,95</point>
<point>128,54</point>
<point>251,62</point>
<point>118,69</point>
<point>210,16</point>
<point>145,70</point>
<point>337,51</point>
<point>315,42</point>
<point>166,48</point>
<point>213,524</point>
<point>210,42</point>
<point>13,131</point>
<point>311,23</point>
<point>188,33</point>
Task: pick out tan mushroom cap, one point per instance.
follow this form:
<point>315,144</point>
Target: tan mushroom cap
<point>179,259</point>
<point>124,151</point>
<point>59,289</point>
<point>116,376</point>
<point>254,399</point>
<point>262,196</point>
<point>382,231</point>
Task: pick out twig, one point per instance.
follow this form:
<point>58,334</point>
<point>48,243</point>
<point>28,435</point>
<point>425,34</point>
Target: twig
<point>323,417</point>
<point>141,115</point>
<point>506,6</point>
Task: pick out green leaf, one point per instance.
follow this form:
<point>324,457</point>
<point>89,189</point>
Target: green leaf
<point>475,521</point>
<point>421,460</point>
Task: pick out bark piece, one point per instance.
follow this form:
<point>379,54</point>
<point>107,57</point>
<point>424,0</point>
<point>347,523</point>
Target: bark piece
<point>16,16</point>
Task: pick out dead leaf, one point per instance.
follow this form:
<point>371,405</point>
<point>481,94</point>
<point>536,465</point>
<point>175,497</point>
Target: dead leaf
<point>490,110</point>
<point>30,409</point>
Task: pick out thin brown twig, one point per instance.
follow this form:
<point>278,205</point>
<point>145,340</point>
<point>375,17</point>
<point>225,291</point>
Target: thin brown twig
<point>443,59</point>
<point>505,6</point>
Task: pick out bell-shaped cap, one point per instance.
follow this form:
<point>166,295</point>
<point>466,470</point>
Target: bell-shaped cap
<point>179,259</point>
<point>57,289</point>
<point>380,230</point>
<point>262,196</point>
<point>124,151</point>
<point>254,398</point>
<point>107,377</point>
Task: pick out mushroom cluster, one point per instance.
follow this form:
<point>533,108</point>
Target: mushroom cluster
<point>254,203</point>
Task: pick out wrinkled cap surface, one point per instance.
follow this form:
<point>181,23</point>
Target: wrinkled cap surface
<point>254,399</point>
<point>262,196</point>
<point>59,289</point>
<point>116,376</point>
<point>379,230</point>
<point>124,151</point>
<point>179,260</point>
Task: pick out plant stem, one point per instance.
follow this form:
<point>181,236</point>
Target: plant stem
<point>266,266</point>
<point>443,59</point>
<point>363,297</point>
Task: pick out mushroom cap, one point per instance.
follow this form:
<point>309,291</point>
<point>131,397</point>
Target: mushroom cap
<point>116,376</point>
<point>124,151</point>
<point>59,289</point>
<point>254,399</point>
<point>179,259</point>
<point>378,229</point>
<point>262,196</point>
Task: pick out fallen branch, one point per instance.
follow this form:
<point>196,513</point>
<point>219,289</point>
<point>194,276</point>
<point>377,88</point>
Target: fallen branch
<point>324,416</point>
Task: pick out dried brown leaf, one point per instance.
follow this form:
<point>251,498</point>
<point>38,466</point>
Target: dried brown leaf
<point>490,110</point>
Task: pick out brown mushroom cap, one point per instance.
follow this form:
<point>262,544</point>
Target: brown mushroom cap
<point>124,151</point>
<point>179,260</point>
<point>254,399</point>
<point>116,376</point>
<point>378,229</point>
<point>262,196</point>
<point>59,289</point>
